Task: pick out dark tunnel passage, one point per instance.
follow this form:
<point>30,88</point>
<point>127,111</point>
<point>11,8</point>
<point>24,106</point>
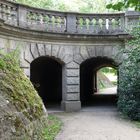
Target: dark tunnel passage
<point>88,81</point>
<point>46,76</point>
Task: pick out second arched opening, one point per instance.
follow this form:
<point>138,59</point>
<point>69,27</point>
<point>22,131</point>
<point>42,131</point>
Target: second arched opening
<point>95,86</point>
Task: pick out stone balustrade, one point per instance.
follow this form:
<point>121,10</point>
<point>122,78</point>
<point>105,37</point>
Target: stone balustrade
<point>66,22</point>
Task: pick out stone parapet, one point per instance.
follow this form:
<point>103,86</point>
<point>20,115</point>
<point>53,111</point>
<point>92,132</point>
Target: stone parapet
<point>65,22</point>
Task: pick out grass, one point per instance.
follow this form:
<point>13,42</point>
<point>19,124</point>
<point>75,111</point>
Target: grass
<point>53,128</point>
<point>137,123</point>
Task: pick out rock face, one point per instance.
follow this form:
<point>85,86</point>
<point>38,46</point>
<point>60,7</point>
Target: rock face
<point>22,114</point>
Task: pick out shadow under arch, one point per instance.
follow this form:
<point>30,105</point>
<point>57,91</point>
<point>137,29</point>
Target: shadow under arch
<point>46,76</point>
<point>88,76</point>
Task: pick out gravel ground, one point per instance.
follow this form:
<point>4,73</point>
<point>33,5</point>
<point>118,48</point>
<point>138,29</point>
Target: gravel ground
<point>96,123</point>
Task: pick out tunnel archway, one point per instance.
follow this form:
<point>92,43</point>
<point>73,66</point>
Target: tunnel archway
<point>88,77</point>
<point>46,76</point>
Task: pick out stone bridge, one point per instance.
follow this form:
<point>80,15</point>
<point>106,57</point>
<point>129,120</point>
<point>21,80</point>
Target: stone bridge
<point>61,51</point>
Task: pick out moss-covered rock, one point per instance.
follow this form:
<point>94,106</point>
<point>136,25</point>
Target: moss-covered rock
<point>22,114</point>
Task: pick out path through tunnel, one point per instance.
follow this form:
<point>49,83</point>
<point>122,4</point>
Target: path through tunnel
<point>88,82</point>
<point>46,76</point>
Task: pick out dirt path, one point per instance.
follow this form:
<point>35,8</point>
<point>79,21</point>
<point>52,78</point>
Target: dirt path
<point>96,123</point>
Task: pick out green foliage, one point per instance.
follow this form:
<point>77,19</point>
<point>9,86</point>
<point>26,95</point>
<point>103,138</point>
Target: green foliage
<point>53,127</point>
<point>86,6</point>
<point>109,70</point>
<point>124,4</point>
<point>129,79</point>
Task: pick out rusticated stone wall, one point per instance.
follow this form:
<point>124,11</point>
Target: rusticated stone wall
<point>70,54</point>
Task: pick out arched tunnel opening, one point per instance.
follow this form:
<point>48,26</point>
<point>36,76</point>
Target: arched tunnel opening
<point>46,76</point>
<point>89,82</point>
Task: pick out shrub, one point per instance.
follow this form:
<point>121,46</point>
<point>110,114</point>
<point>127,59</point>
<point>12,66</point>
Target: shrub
<point>129,80</point>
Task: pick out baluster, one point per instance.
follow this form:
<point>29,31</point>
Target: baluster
<point>117,24</point>
<point>3,12</point>
<point>41,24</point>
<point>100,24</point>
<point>29,18</point>
<point>78,24</point>
<point>84,25</point>
<point>113,23</point>
<point>8,13</point>
<point>33,19</point>
<point>14,16</point>
<point>57,24</point>
<point>63,26</point>
<point>91,27</point>
<point>104,24</point>
<point>45,21</point>
<point>41,18</point>
<point>97,26</point>
<point>37,18</point>
<point>50,23</point>
<point>110,27</point>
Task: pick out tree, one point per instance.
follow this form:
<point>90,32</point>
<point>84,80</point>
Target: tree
<point>124,4</point>
<point>92,6</point>
<point>86,6</point>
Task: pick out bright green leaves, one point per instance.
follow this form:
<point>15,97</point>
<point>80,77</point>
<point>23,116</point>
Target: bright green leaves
<point>124,4</point>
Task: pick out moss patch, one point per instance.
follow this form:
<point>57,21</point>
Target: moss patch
<point>23,110</point>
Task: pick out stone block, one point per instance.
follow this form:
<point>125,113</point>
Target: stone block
<point>72,65</point>
<point>99,51</point>
<point>71,106</point>
<point>107,51</point>
<point>78,58</point>
<point>34,50</point>
<point>91,50</point>
<point>55,50</point>
<point>62,52</point>
<point>84,52</point>
<point>41,49</point>
<point>73,97</point>
<point>48,49</point>
<point>73,80</point>
<point>27,54</point>
<point>72,88</point>
<point>68,58</point>
<point>72,72</point>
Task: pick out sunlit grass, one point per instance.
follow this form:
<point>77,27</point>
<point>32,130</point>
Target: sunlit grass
<point>53,128</point>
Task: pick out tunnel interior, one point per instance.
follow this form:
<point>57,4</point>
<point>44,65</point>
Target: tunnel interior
<point>88,81</point>
<point>46,76</point>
